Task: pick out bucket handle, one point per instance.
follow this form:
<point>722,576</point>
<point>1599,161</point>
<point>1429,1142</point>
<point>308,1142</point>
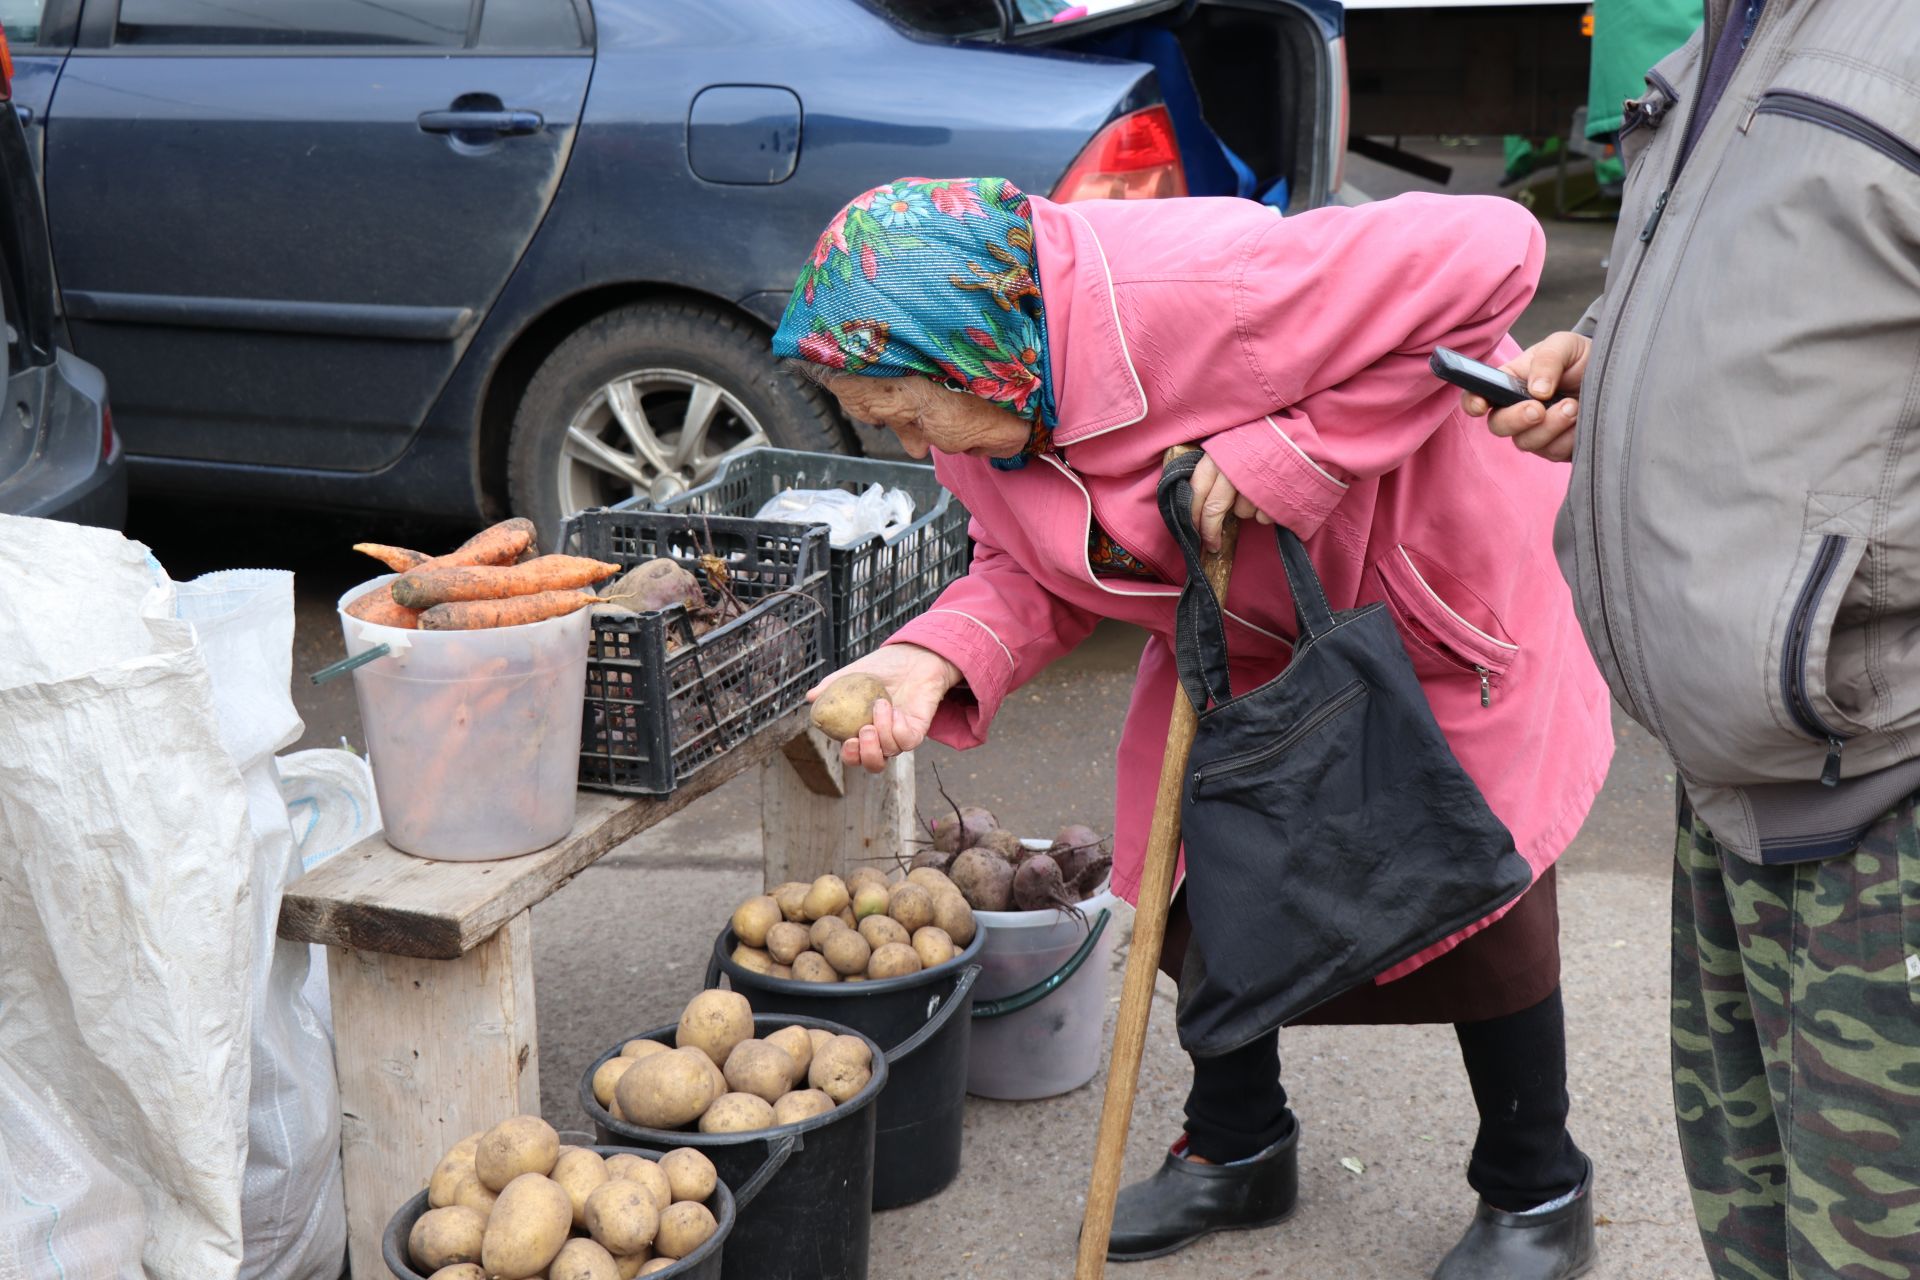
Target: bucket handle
<point>345,665</point>
<point>957,997</point>
<point>1034,994</point>
<point>777,1155</point>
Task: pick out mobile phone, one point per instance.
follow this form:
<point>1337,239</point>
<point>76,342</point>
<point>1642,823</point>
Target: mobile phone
<point>1498,389</point>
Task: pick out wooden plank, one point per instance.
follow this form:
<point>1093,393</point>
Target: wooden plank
<point>808,835</point>
<point>428,1052</point>
<point>375,898</point>
<point>816,758</point>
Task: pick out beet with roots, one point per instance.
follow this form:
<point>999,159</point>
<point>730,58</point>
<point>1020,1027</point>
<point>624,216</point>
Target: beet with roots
<point>1037,886</point>
<point>931,858</point>
<point>984,879</point>
<point>953,833</point>
<point>655,585</point>
<point>1092,876</point>
<point>1076,849</point>
<point>1004,843</point>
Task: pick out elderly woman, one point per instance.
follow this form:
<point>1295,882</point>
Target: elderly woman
<point>1047,356</point>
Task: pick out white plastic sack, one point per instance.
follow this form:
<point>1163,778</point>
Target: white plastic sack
<point>144,844</point>
<point>331,803</point>
<point>849,518</point>
<point>62,1213</point>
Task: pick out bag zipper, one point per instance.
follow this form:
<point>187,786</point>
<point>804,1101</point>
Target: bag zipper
<point>1831,115</point>
<point>1793,658</point>
<point>1247,759</point>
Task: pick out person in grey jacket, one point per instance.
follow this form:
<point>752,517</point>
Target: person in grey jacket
<point>1742,536</point>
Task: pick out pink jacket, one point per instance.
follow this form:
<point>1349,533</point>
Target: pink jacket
<point>1295,352</point>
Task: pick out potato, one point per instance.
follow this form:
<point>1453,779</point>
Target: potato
<point>911,907</point>
<point>608,1074</point>
<point>656,1265</point>
<point>801,1104</point>
<point>716,1074</point>
<point>820,1039</point>
<point>855,977</point>
<point>781,971</point>
<point>524,1144</point>
<point>690,1173</point>
<point>759,1068</point>
<point>684,1228</point>
<point>895,960</point>
<point>665,1091</point>
<point>870,900</point>
<point>460,1271</point>
<point>752,919</point>
<point>623,1216</point>
<point>527,1227</point>
<point>933,946</point>
<point>752,959</point>
<point>787,940</point>
<point>847,952</point>
<point>447,1174</point>
<point>648,1175</point>
<point>811,966</point>
<point>930,879</point>
<point>845,707</point>
<point>713,1022</point>
<point>880,930</point>
<point>445,1237</point>
<point>641,1048</point>
<point>847,917</point>
<point>827,896</point>
<point>583,1260</point>
<point>952,915</point>
<point>628,1167</point>
<point>633,1264</point>
<point>841,1067</point>
<point>792,897</point>
<point>864,876</point>
<point>471,1193</point>
<point>580,1173</point>
<point>822,929</point>
<point>798,1046</point>
<point>737,1113</point>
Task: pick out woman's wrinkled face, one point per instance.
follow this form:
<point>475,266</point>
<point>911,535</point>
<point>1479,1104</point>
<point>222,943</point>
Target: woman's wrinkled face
<point>927,415</point>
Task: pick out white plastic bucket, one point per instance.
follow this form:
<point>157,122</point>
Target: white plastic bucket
<point>1053,1046</point>
<point>474,736</point>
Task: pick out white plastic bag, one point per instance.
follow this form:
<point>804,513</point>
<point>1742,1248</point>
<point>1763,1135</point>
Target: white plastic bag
<point>849,517</point>
<point>331,803</point>
<point>144,844</point>
<point>63,1214</point>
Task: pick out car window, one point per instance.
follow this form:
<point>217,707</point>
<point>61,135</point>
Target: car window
<point>530,24</point>
<point>943,17</point>
<point>439,23</point>
<point>21,20</point>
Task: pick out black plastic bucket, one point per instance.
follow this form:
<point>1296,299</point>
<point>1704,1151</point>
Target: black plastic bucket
<point>926,1021</point>
<point>811,1216</point>
<point>703,1263</point>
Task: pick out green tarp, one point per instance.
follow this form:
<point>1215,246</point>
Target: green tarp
<point>1628,37</point>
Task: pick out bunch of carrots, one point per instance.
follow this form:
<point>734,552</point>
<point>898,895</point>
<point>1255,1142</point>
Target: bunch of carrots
<point>495,579</point>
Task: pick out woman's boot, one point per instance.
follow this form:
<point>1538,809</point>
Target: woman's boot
<point>1187,1200</point>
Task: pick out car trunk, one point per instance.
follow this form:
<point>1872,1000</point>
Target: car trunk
<point>26,291</point>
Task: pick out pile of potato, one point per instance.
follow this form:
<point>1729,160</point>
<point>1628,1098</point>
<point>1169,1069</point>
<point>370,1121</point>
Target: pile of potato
<point>851,930</point>
<point>720,1078</point>
<point>513,1204</point>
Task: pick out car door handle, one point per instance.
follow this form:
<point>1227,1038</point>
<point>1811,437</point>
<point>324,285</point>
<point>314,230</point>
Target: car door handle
<point>507,123</point>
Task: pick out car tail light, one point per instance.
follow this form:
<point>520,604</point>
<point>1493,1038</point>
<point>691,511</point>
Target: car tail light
<point>6,67</point>
<point>1134,158</point>
<point>106,434</point>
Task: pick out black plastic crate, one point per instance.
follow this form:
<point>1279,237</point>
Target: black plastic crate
<point>878,584</point>
<point>654,717</point>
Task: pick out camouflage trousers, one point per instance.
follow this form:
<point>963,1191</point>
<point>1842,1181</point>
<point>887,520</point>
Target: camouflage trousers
<point>1796,1055</point>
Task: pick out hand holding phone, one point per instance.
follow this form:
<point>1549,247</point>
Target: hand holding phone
<point>1499,389</point>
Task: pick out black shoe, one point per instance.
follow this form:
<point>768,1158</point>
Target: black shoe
<point>1556,1245</point>
<point>1186,1201</point>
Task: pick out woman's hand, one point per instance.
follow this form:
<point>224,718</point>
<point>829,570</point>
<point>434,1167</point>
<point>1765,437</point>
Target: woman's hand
<point>1214,497</point>
<point>1553,367</point>
<point>916,680</point>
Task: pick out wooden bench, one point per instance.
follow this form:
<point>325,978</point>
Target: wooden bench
<point>430,964</point>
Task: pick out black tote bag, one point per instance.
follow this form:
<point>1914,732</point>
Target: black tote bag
<point>1330,833</point>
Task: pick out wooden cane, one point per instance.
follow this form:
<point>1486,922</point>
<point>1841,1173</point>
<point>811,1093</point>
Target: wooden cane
<point>1143,957</point>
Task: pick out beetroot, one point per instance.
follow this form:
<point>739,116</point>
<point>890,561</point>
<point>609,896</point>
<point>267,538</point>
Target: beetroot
<point>960,831</point>
<point>984,879</point>
<point>1076,849</point>
<point>1075,834</point>
<point>931,858</point>
<point>1091,877</point>
<point>655,585</point>
<point>1037,886</point>
<point>1004,843</point>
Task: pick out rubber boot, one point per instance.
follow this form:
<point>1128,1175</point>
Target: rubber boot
<point>1185,1201</point>
<point>1555,1245</point>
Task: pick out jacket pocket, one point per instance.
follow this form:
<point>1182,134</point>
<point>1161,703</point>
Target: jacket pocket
<point>1830,560</point>
<point>1449,631</point>
<point>1814,109</point>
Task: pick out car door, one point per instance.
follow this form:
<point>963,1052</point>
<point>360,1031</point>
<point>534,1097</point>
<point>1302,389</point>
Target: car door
<point>279,222</point>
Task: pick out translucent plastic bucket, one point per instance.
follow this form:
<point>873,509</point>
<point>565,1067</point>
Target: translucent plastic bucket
<point>474,736</point>
<point>1052,1045</point>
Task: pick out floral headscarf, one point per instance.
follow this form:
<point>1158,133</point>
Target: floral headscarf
<point>932,276</point>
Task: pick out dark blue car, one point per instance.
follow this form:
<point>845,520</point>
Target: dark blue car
<point>456,257</point>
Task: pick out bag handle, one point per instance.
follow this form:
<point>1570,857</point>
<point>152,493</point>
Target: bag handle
<point>1200,630</point>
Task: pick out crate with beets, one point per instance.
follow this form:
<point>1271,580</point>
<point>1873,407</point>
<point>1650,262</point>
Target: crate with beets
<point>671,690</point>
<point>879,584</point>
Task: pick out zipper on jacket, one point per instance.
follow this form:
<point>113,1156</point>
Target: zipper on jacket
<point>1793,660</point>
<point>1486,685</point>
<point>1247,759</point>
<point>1831,115</point>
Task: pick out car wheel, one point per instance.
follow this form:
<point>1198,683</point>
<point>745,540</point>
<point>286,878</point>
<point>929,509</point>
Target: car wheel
<point>647,401</point>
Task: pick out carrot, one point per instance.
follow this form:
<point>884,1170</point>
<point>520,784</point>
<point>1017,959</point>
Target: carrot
<point>499,544</point>
<point>425,587</point>
<point>475,615</point>
<point>378,606</point>
<point>398,559</point>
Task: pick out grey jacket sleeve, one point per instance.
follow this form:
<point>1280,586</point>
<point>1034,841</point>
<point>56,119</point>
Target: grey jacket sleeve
<point>1587,323</point>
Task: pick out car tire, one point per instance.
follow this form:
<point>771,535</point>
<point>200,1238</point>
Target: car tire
<point>571,447</point>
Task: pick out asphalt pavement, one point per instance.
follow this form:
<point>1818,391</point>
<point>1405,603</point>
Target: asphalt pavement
<point>1388,1119</point>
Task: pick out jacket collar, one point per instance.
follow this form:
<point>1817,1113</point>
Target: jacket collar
<point>1096,388</point>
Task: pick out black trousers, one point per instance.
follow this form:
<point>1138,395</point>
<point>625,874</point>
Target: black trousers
<point>1517,1065</point>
